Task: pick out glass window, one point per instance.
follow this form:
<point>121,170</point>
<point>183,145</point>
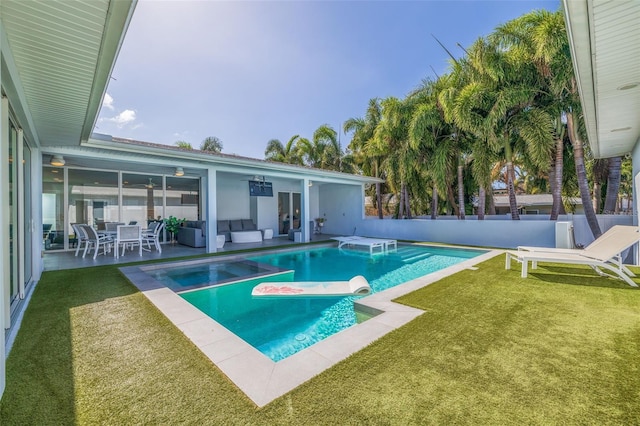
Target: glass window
<point>183,198</point>
<point>53,207</point>
<point>27,214</point>
<point>93,197</point>
<point>13,214</point>
<point>141,198</point>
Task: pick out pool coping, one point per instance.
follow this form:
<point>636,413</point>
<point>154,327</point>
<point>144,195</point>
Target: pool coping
<point>260,378</point>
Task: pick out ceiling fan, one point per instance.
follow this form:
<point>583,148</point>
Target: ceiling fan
<point>147,185</point>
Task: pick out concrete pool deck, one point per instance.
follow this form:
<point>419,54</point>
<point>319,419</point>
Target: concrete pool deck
<point>260,378</point>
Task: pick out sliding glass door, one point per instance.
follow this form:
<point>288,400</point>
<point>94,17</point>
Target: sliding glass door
<point>96,197</point>
<point>289,208</point>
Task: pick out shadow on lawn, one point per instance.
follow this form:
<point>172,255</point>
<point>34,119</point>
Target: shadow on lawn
<point>43,350</point>
<point>580,276</point>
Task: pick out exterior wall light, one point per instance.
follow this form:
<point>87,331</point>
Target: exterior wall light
<point>179,171</point>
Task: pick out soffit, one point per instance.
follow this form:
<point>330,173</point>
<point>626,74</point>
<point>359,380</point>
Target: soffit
<point>605,46</point>
<point>64,52</point>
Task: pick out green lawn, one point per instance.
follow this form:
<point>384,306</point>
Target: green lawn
<point>562,346</point>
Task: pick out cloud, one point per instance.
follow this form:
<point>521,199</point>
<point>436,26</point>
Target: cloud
<point>126,117</point>
<point>107,101</point>
<point>181,136</point>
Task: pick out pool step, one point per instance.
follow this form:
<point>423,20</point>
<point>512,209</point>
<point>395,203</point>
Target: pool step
<point>417,257</point>
<point>411,255</point>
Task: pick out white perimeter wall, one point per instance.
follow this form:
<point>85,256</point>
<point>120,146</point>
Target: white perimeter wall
<point>342,206</point>
<point>495,231</point>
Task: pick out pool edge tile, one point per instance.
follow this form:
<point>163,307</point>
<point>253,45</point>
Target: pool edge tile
<point>263,380</point>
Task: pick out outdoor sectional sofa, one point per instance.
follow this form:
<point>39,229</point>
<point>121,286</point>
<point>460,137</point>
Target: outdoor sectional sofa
<point>193,233</point>
<point>226,227</point>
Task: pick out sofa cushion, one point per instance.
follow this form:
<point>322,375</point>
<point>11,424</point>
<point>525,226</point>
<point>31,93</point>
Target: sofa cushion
<point>248,225</point>
<point>235,225</point>
<point>191,224</point>
<point>223,225</point>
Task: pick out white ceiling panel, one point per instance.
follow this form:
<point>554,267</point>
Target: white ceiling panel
<point>605,41</point>
<point>64,51</point>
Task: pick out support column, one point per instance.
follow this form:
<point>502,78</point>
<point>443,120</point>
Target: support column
<point>210,189</point>
<point>305,214</point>
<point>21,216</point>
<point>635,167</point>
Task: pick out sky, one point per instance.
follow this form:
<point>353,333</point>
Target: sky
<point>248,72</point>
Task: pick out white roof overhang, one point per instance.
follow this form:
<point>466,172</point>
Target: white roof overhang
<point>60,55</point>
<point>604,37</point>
<point>143,153</point>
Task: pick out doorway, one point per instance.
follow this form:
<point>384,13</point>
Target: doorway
<point>289,208</point>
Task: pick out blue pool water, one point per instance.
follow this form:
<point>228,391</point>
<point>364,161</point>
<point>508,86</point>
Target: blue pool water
<point>204,274</point>
<point>281,327</point>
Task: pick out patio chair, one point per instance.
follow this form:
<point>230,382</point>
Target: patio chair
<point>604,253</point>
<point>80,236</point>
<point>152,235</point>
<point>112,226</point>
<point>95,241</point>
<point>615,232</point>
<point>128,236</point>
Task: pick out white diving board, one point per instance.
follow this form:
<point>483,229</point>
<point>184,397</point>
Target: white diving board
<point>381,245</point>
<point>356,286</point>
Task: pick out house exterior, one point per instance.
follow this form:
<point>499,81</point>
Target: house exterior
<point>533,204</point>
<point>605,49</point>
<point>56,61</point>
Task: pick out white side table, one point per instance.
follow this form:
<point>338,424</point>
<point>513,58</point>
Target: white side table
<point>267,233</point>
<point>220,241</point>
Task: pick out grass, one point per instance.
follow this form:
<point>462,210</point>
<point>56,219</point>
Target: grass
<point>562,346</point>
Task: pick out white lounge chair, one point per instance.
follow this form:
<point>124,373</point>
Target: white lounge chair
<point>372,243</point>
<point>612,234</point>
<point>603,253</point>
<point>356,286</point>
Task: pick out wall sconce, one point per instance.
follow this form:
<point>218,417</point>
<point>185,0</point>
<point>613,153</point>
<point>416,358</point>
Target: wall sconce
<point>57,160</point>
<point>310,183</point>
<point>179,171</point>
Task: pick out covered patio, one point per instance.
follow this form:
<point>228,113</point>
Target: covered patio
<point>61,260</point>
<point>118,180</point>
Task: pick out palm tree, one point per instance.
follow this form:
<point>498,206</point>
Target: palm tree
<point>613,185</point>
<point>183,145</point>
<point>288,153</point>
<point>436,141</point>
<point>498,104</point>
<point>211,144</point>
<point>324,151</point>
<point>392,137</point>
<point>581,173</point>
<point>363,145</point>
<point>599,173</point>
<point>547,32</point>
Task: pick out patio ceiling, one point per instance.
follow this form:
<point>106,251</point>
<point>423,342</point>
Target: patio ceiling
<point>62,55</point>
<point>605,47</point>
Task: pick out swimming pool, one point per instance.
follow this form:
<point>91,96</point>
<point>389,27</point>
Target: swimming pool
<point>280,328</point>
